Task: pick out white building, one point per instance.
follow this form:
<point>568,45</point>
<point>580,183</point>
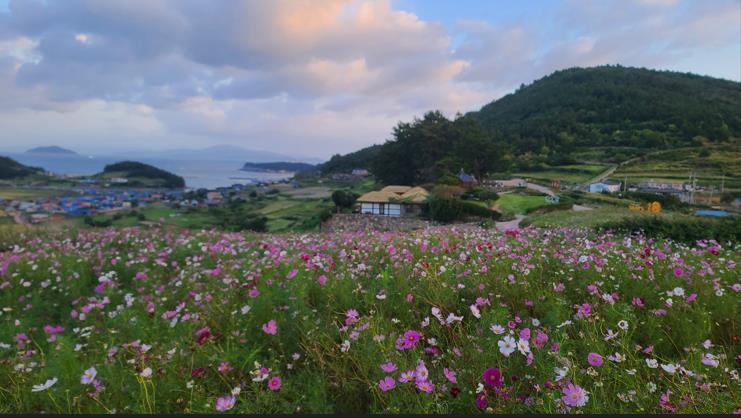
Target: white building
<point>393,201</point>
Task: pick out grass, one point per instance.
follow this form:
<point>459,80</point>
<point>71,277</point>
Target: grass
<point>590,218</point>
<point>518,203</point>
<point>29,194</point>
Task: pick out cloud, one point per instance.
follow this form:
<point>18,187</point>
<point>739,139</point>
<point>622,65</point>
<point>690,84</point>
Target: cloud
<point>297,73</point>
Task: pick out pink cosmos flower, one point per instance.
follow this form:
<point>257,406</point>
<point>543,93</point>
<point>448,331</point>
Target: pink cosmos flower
<point>425,386</point>
<point>89,376</point>
<point>540,339</point>
<point>322,279</point>
<point>678,272</point>
<point>450,375</point>
<point>574,395</point>
<point>387,383</point>
<point>274,383</point>
<point>638,302</point>
<point>583,310</point>
<point>225,403</point>
<point>291,274</point>
<point>224,367</point>
<point>492,377</point>
<point>271,327</point>
<point>664,402</point>
<point>388,367</point>
<point>525,334</point>
<point>407,376</point>
<point>594,359</point>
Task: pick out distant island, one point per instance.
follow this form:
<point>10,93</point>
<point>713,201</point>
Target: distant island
<point>136,174</point>
<point>51,150</point>
<point>277,167</point>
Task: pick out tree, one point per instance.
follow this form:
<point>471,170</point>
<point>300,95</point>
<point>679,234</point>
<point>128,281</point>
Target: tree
<point>343,199</point>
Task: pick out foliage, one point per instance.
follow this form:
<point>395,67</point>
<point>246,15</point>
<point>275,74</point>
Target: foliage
<point>344,198</point>
<point>11,169</point>
<point>346,163</point>
<point>618,112</point>
<point>236,216</point>
<point>141,170</point>
<point>615,106</point>
<point>680,230</point>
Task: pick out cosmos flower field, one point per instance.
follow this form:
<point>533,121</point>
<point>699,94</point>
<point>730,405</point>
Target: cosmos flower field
<point>447,319</point>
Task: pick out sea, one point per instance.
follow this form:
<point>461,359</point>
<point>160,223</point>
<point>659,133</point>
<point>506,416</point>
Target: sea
<point>206,174</point>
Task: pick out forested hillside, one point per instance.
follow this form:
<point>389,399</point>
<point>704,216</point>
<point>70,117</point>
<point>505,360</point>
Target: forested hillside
<point>11,169</point>
<point>606,114</point>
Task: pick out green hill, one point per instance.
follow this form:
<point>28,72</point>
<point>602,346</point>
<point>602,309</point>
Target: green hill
<point>12,169</point>
<point>142,175</point>
<point>605,114</point>
<point>612,106</point>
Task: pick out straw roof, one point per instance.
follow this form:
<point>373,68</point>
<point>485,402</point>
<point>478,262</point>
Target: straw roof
<point>387,195</point>
<point>415,195</point>
<point>378,197</point>
<point>396,189</point>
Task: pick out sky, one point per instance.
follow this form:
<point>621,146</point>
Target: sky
<point>314,78</point>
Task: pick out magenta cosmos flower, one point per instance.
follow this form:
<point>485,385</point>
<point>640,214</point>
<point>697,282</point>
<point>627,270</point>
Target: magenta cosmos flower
<point>408,340</point>
<point>574,395</point>
<point>594,359</point>
<point>274,383</point>
<point>492,377</point>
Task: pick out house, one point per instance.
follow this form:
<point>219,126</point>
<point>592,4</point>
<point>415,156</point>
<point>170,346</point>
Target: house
<point>360,172</point>
<point>393,201</point>
<point>606,186</point>
<point>467,180</point>
<point>736,203</point>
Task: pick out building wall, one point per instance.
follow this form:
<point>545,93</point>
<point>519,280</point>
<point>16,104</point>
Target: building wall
<point>386,209</point>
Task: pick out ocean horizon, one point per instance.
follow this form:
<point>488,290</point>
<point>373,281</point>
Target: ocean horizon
<point>207,174</point>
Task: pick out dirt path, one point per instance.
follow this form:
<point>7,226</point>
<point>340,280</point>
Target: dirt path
<point>515,223</point>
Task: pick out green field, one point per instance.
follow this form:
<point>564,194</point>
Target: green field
<point>576,173</point>
<point>518,203</point>
<point>713,167</point>
<point>29,194</point>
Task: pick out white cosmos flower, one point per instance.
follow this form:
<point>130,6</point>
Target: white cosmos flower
<point>452,318</point>
<point>44,386</point>
<point>146,373</point>
<point>507,345</point>
<point>623,325</point>
<point>669,368</point>
<point>652,363</point>
<point>497,329</point>
<point>523,346</point>
<point>560,372</point>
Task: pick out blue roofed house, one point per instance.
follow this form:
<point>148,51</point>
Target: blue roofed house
<point>605,186</point>
<point>467,180</point>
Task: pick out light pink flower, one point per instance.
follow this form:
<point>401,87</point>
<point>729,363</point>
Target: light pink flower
<point>271,327</point>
